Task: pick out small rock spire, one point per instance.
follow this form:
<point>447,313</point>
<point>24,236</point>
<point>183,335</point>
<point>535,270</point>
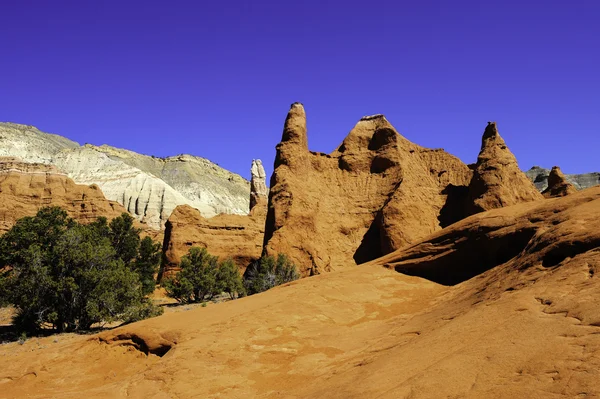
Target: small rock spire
<point>258,183</point>
<point>294,130</point>
<point>558,185</point>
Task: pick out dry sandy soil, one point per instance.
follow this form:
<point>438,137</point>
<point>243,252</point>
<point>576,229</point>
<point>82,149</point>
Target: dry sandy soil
<point>529,327</point>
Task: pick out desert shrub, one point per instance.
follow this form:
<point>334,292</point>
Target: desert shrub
<point>68,275</point>
<point>229,279</point>
<point>147,262</point>
<point>196,280</point>
<point>268,272</point>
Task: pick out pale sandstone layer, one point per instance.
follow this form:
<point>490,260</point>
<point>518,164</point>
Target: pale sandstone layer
<point>148,187</point>
<point>526,327</point>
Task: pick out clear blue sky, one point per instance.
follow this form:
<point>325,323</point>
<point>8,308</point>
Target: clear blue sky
<point>216,78</point>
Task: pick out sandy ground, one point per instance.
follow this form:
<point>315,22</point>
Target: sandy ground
<point>367,332</point>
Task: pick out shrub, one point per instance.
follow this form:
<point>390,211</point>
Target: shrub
<point>229,279</point>
<point>197,278</point>
<point>268,272</point>
<point>68,275</point>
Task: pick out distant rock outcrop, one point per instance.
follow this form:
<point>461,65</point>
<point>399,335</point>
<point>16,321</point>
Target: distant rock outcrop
<point>258,184</point>
<point>148,187</point>
<point>497,180</point>
<point>239,237</point>
<point>376,192</point>
<point>539,177</point>
<point>27,187</point>
<point>558,186</point>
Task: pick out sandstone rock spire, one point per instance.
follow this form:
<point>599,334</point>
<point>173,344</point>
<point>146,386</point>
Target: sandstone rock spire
<point>258,184</point>
<point>376,192</point>
<point>293,148</point>
<point>497,180</point>
<point>558,185</point>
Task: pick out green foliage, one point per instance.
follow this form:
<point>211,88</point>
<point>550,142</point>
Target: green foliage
<point>197,278</point>
<point>70,276</point>
<point>147,262</point>
<point>202,277</point>
<point>268,272</point>
<point>229,279</point>
<point>124,237</point>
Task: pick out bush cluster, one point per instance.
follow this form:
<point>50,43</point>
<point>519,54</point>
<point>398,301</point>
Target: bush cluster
<point>201,276</point>
<point>59,273</point>
<point>267,272</point>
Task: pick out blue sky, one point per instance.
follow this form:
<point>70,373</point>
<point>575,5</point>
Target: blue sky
<point>215,79</point>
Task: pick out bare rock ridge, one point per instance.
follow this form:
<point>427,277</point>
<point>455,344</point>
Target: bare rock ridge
<point>239,237</point>
<point>377,191</point>
<point>539,177</point>
<point>27,187</point>
<point>148,187</point>
<point>258,184</point>
<point>497,180</point>
<point>528,235</point>
<point>558,185</point>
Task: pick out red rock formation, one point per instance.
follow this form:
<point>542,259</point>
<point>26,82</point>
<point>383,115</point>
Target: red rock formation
<point>558,185</point>
<point>227,236</point>
<point>238,237</point>
<point>376,192</point>
<point>532,234</point>
<point>497,180</point>
<point>25,188</point>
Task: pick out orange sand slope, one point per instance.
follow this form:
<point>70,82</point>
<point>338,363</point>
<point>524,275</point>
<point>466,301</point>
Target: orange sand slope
<point>529,327</point>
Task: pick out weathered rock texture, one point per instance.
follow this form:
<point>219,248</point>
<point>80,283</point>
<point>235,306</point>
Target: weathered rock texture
<point>258,184</point>
<point>376,192</point>
<point>539,177</point>
<point>27,187</point>
<point>497,180</point>
<point>148,187</point>
<point>528,236</point>
<point>558,185</point>
<point>528,327</point>
<point>239,237</point>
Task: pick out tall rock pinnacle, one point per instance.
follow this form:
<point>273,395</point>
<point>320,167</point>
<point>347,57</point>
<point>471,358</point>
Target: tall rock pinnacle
<point>293,148</point>
<point>558,185</point>
<point>497,180</point>
<point>258,184</point>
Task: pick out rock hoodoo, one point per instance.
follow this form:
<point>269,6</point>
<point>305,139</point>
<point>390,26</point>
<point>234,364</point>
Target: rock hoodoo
<point>376,192</point>
<point>258,184</point>
<point>497,180</point>
<point>539,177</point>
<point>558,185</point>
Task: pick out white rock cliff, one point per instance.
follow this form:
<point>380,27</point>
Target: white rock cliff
<point>148,187</point>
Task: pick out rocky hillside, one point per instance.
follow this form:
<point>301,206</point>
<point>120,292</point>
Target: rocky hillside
<point>539,177</point>
<point>27,187</point>
<point>148,187</point>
